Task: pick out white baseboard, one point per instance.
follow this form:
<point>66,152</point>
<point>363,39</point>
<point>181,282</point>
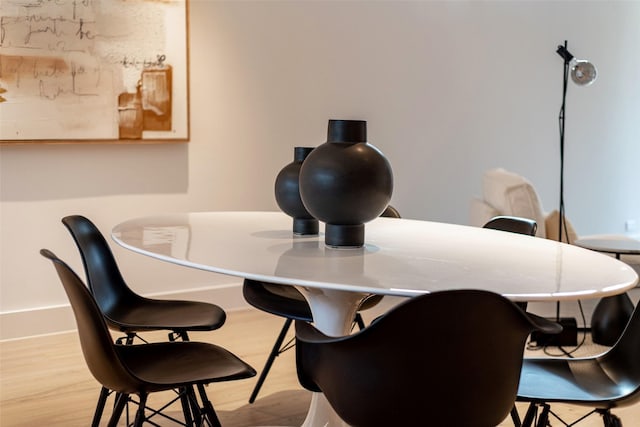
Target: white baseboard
<point>56,319</point>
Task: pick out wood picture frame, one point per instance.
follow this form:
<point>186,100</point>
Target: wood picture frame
<point>94,71</point>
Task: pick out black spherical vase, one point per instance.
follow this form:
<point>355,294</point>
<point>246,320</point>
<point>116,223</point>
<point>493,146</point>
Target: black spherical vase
<point>287,191</point>
<point>345,183</point>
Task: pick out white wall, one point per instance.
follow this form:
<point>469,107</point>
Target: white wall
<point>449,89</point>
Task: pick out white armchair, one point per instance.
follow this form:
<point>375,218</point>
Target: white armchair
<point>507,193</point>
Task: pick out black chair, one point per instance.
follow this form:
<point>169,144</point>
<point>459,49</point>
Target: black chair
<point>125,310</point>
<point>601,382</point>
<point>513,224</point>
<point>449,358</point>
<point>146,368</point>
<point>288,302</point>
<point>390,212</point>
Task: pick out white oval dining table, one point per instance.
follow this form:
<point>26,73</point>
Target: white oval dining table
<point>401,257</point>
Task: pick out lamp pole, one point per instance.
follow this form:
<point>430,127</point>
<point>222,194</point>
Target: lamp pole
<point>567,57</point>
<point>564,53</point>
<point>583,73</point>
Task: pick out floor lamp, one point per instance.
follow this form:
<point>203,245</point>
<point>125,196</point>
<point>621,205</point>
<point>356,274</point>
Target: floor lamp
<point>611,313</point>
<point>583,73</point>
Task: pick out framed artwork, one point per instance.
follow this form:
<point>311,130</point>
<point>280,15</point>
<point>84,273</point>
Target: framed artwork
<point>94,70</point>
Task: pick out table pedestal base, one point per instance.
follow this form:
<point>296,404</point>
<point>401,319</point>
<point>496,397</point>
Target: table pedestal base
<point>333,313</point>
<point>321,414</point>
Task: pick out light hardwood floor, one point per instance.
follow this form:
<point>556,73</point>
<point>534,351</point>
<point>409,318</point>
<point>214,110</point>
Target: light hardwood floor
<point>44,381</point>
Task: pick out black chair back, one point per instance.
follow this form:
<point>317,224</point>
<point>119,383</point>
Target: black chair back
<point>449,358</point>
<point>513,224</point>
<point>146,368</point>
<point>103,275</point>
<point>622,361</point>
<point>95,339</point>
<point>391,212</point>
<point>603,382</point>
<point>123,309</point>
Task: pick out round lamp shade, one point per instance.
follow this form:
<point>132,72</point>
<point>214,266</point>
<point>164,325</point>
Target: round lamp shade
<point>583,73</point>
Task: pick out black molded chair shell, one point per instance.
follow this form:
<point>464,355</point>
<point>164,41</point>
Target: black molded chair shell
<point>605,381</point>
<point>123,309</point>
<point>449,358</point>
<point>280,300</point>
<point>146,368</point>
<point>390,212</point>
<point>286,301</point>
<point>513,224</point>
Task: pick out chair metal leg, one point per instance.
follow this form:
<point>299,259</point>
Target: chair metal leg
<point>174,335</point>
<point>140,413</point>
<point>195,406</point>
<point>515,417</point>
<point>186,395</point>
<point>186,409</point>
<point>530,416</point>
<point>609,419</point>
<point>359,321</point>
<point>121,402</point>
<point>275,351</point>
<point>102,400</point>
<point>207,406</point>
<point>543,420</point>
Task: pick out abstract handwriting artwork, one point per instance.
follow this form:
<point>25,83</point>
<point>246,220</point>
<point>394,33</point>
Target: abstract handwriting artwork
<point>93,69</point>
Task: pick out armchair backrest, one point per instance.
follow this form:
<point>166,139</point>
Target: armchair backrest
<point>510,194</point>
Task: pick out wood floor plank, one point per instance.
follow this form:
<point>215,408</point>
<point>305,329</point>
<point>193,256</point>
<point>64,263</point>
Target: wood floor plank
<point>44,381</point>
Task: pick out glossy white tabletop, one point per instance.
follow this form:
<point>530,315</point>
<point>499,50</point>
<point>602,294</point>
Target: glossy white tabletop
<point>400,257</point>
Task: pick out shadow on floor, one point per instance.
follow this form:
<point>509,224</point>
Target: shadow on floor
<point>285,408</point>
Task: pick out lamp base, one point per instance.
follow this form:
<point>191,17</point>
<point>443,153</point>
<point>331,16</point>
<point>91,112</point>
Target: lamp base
<point>567,338</point>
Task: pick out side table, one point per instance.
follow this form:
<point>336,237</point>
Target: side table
<point>611,314</point>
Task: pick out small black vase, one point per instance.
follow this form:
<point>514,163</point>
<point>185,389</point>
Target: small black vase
<point>345,183</point>
<point>287,191</point>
